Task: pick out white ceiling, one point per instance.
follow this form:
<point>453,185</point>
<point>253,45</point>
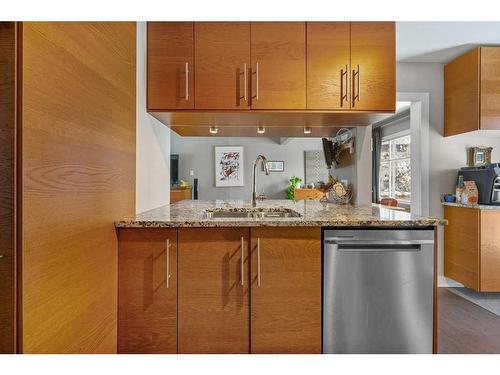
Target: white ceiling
<point>442,41</point>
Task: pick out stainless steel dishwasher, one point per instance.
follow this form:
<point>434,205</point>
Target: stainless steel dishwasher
<point>378,289</point>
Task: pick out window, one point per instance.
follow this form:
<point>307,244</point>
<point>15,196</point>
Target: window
<point>395,171</point>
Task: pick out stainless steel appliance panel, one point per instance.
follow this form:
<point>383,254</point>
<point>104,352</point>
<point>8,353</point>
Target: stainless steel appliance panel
<point>378,291</point>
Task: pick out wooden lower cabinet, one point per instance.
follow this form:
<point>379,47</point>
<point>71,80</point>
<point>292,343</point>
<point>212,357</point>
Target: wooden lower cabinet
<point>286,290</point>
<point>472,247</point>
<point>213,302</point>
<point>147,298</point>
<point>214,298</point>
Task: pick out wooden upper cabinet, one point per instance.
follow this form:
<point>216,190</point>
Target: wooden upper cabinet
<point>170,65</point>
<point>471,91</point>
<point>373,66</point>
<point>222,52</point>
<point>286,290</point>
<point>147,296</point>
<point>214,290</point>
<point>461,94</point>
<point>490,88</point>
<point>274,66</point>
<point>328,65</point>
<point>278,51</point>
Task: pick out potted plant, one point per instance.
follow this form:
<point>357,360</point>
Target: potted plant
<point>294,184</point>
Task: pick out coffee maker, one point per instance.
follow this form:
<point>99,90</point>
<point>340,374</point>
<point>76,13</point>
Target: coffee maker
<point>487,179</point>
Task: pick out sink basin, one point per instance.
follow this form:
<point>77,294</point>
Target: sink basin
<point>250,213</point>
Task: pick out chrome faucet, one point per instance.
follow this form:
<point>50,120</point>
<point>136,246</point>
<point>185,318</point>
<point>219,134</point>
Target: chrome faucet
<point>266,169</point>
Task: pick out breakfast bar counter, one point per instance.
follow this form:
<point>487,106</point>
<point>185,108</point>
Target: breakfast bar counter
<point>194,213</point>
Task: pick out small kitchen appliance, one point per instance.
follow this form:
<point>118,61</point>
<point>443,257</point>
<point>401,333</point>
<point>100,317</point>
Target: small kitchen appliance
<point>487,179</point>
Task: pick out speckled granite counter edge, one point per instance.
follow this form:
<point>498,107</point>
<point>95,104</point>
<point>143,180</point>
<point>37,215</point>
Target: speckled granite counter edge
<point>478,206</point>
<point>284,223</point>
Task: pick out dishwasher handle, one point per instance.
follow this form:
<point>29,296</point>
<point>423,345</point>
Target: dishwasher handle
<point>378,248</point>
<point>369,246</point>
<point>353,241</point>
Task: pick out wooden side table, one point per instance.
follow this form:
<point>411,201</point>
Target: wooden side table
<point>178,194</point>
<point>308,194</point>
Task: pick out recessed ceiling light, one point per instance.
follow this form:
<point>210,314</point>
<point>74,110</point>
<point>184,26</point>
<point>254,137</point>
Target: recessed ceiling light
<point>307,130</point>
<point>213,130</point>
<point>261,129</point>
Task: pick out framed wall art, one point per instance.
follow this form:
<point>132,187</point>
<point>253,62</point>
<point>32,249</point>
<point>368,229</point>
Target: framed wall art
<point>229,166</point>
<point>275,166</point>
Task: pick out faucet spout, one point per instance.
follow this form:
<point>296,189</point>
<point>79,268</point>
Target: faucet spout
<point>263,159</point>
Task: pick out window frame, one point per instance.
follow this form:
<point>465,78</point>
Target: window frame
<point>388,162</point>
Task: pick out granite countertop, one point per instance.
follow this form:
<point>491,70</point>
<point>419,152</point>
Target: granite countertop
<point>479,206</point>
<point>191,213</point>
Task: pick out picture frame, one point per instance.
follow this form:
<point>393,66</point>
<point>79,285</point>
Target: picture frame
<point>229,166</point>
<point>477,156</point>
<point>275,166</point>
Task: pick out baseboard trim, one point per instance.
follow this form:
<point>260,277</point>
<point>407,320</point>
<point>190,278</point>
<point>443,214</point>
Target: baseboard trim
<point>444,282</point>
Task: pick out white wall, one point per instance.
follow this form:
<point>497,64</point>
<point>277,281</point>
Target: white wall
<point>152,143</point>
<point>448,154</point>
<point>363,185</point>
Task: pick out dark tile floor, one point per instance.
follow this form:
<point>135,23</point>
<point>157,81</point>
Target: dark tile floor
<point>464,327</point>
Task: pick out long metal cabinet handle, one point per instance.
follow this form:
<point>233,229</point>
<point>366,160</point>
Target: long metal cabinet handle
<point>242,260</point>
<point>359,84</point>
<point>245,86</point>
<point>344,86</point>
<point>168,264</point>
<point>257,81</point>
<point>258,261</point>
<point>356,95</point>
<point>186,70</point>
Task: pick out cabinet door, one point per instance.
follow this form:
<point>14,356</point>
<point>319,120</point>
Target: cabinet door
<point>286,290</point>
<point>461,94</point>
<point>490,82</point>
<point>278,51</point>
<point>328,65</point>
<point>213,290</point>
<point>489,251</point>
<point>373,66</point>
<point>222,64</point>
<point>170,65</point>
<point>461,245</point>
<point>147,296</point>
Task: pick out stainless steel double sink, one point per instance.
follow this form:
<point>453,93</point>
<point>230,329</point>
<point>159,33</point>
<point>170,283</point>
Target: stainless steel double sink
<point>250,213</point>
